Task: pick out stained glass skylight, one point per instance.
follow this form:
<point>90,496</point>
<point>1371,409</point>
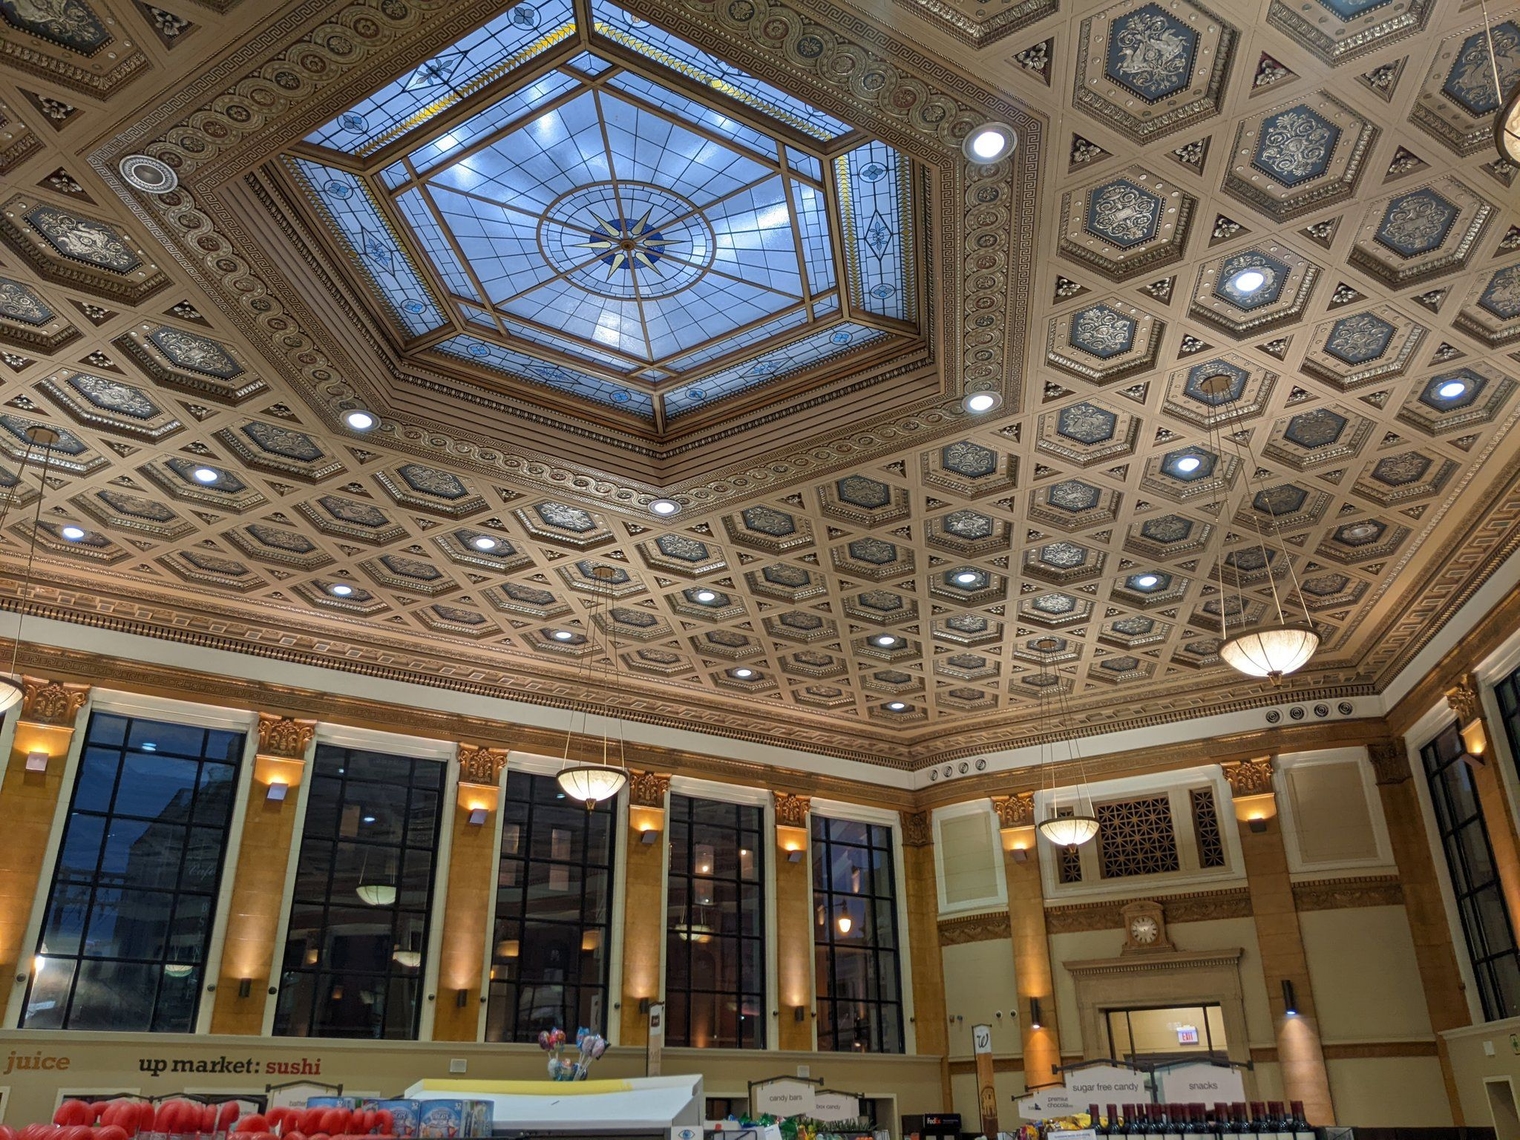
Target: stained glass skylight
<point>648,236</point>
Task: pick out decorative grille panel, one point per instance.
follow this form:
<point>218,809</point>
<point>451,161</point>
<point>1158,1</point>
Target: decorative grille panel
<point>1071,857</point>
<point>1206,828</point>
<point>1136,837</point>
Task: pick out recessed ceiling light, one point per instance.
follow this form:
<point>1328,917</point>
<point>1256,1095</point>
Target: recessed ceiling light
<point>1451,389</point>
<point>359,419</point>
<point>562,635</point>
<point>1146,581</point>
<point>665,507</point>
<point>483,542</point>
<point>72,533</point>
<point>990,142</point>
<point>206,474</point>
<point>340,589</point>
<point>1188,464</point>
<point>744,673</point>
<point>967,578</point>
<point>885,640</point>
<point>979,402</point>
<point>896,706</point>
<point>706,596</point>
<point>1248,280</point>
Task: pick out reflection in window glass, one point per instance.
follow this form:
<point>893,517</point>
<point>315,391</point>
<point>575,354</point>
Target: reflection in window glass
<point>1157,1033</point>
<point>1474,875</point>
<point>553,905</point>
<point>356,949</point>
<point>715,926</point>
<point>855,937</point>
<point>129,914</point>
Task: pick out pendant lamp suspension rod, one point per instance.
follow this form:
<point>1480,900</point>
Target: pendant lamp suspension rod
<point>1493,58</point>
<point>1221,520</point>
<point>43,437</point>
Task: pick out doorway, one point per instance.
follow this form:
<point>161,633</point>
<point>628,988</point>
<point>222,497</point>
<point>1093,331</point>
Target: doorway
<point>1501,1105</point>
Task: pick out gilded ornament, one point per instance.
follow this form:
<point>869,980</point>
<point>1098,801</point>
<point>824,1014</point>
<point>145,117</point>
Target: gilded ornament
<point>285,736</point>
<point>1464,702</point>
<point>1016,810</point>
<point>647,789</point>
<point>51,702</point>
<point>916,831</point>
<point>481,765</point>
<point>1249,777</point>
<point>1390,761</point>
<point>792,809</point>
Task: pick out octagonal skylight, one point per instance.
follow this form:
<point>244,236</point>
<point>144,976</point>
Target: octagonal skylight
<point>616,214</point>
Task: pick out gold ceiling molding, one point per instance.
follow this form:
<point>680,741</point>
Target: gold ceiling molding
<point>51,702</point>
<point>285,736</point>
<point>975,928</point>
<point>1341,894</point>
<point>1249,777</point>
<point>1196,906</point>
<point>481,764</point>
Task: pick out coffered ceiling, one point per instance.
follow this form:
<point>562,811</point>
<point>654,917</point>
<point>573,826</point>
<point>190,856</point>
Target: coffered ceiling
<point>575,257</point>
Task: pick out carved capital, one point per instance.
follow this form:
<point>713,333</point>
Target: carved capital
<point>792,809</point>
<point>1464,701</point>
<point>285,736</point>
<point>647,789</point>
<point>916,831</point>
<point>1390,760</point>
<point>1016,810</point>
<point>1249,777</point>
<point>51,702</point>
<point>481,765</point>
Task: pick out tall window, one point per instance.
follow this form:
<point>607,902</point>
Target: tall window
<point>129,914</point>
<point>855,937</point>
<point>1474,879</point>
<point>1508,693</point>
<point>715,929</point>
<point>553,898</point>
<point>356,950</point>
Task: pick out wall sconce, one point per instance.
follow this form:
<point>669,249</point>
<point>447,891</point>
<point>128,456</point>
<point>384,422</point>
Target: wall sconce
<point>1474,739</point>
<point>461,998</point>
<point>649,836</point>
<point>1020,854</point>
<point>1290,999</point>
<point>245,987</point>
<point>478,801</point>
<point>477,816</point>
<point>1257,824</point>
<point>794,855</point>
<point>1258,807</point>
<point>278,774</point>
<point>1034,1013</point>
<point>644,1004</point>
<point>36,761</point>
<point>799,1013</point>
<point>276,791</point>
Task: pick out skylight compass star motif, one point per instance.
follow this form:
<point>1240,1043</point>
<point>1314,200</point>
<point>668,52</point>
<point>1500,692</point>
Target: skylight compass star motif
<point>622,243</point>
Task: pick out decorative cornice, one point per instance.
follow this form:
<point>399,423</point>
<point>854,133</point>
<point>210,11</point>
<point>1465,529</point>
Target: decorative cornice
<point>1390,760</point>
<point>1249,777</point>
<point>1341,894</point>
<point>792,809</point>
<point>647,789</point>
<point>1016,810</point>
<point>285,736</point>
<point>974,928</point>
<point>481,765</point>
<point>1151,963</point>
<point>1200,906</point>
<point>51,702</point>
<point>916,831</point>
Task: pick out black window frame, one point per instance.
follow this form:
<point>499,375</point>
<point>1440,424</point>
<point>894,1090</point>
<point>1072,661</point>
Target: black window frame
<point>332,765</point>
<point>526,788</point>
<point>748,834</point>
<point>827,939</point>
<point>146,732</point>
<point>1491,953</point>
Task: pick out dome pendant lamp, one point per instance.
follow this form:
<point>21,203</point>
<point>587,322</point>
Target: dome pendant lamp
<point>592,784</point>
<point>1078,825</point>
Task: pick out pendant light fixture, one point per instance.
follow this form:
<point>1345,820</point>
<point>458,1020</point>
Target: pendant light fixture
<point>1507,118</point>
<point>373,894</point>
<point>594,783</point>
<point>1079,825</point>
<point>1285,643</point>
<point>42,438</point>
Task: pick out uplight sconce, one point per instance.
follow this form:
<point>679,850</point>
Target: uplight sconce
<point>461,998</point>
<point>36,761</point>
<point>649,835</point>
<point>1034,1013</point>
<point>1474,739</point>
<point>245,987</point>
<point>1290,999</point>
<point>478,801</point>
<point>799,1013</point>
<point>793,842</point>
<point>277,790</point>
<point>278,775</point>
<point>1254,811</point>
<point>477,816</point>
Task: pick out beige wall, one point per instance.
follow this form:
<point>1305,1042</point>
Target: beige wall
<point>1471,1064</point>
<point>1366,979</point>
<point>979,984</point>
<point>1389,1092</point>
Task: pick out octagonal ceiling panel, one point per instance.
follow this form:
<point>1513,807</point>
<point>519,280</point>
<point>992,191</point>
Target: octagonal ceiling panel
<point>1299,157</point>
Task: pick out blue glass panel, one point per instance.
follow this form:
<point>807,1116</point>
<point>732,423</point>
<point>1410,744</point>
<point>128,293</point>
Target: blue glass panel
<point>813,223</point>
<point>589,63</point>
<point>691,111</point>
<point>498,115</point>
<point>804,164</point>
<point>646,147</point>
<point>712,309</point>
<point>524,367</point>
<point>518,34</point>
<point>560,305</point>
<point>442,255</point>
<point>804,353</point>
<point>678,55</point>
<point>588,353</point>
<point>394,175</point>
<point>826,305</point>
<point>761,333</point>
<point>346,203</point>
<point>500,244</point>
<point>872,187</point>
